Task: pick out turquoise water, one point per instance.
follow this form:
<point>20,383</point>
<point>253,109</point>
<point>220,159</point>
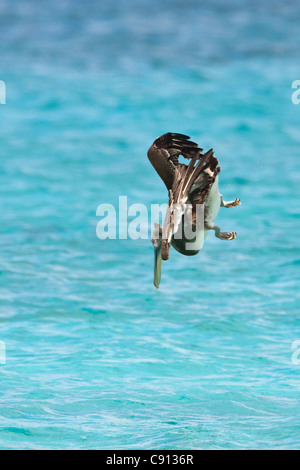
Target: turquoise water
<point>96,358</point>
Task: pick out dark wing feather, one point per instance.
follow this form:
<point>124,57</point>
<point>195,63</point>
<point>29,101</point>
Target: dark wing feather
<point>202,175</point>
<point>203,184</point>
<point>164,154</point>
<point>191,182</point>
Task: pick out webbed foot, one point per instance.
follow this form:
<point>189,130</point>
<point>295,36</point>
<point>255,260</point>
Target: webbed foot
<point>236,202</point>
<point>226,235</point>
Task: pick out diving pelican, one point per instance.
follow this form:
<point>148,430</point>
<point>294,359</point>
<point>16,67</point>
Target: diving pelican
<point>190,187</point>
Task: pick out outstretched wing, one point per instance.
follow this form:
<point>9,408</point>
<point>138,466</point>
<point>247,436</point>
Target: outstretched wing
<point>190,183</point>
<point>164,154</point>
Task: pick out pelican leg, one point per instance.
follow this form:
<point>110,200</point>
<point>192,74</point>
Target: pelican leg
<point>165,249</point>
<point>227,204</point>
<point>219,234</point>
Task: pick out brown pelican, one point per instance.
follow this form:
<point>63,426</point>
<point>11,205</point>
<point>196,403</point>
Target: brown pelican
<point>190,187</point>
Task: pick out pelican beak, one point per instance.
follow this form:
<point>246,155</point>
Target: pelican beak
<point>157,265</point>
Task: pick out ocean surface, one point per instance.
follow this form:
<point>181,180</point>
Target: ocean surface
<point>96,357</point>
